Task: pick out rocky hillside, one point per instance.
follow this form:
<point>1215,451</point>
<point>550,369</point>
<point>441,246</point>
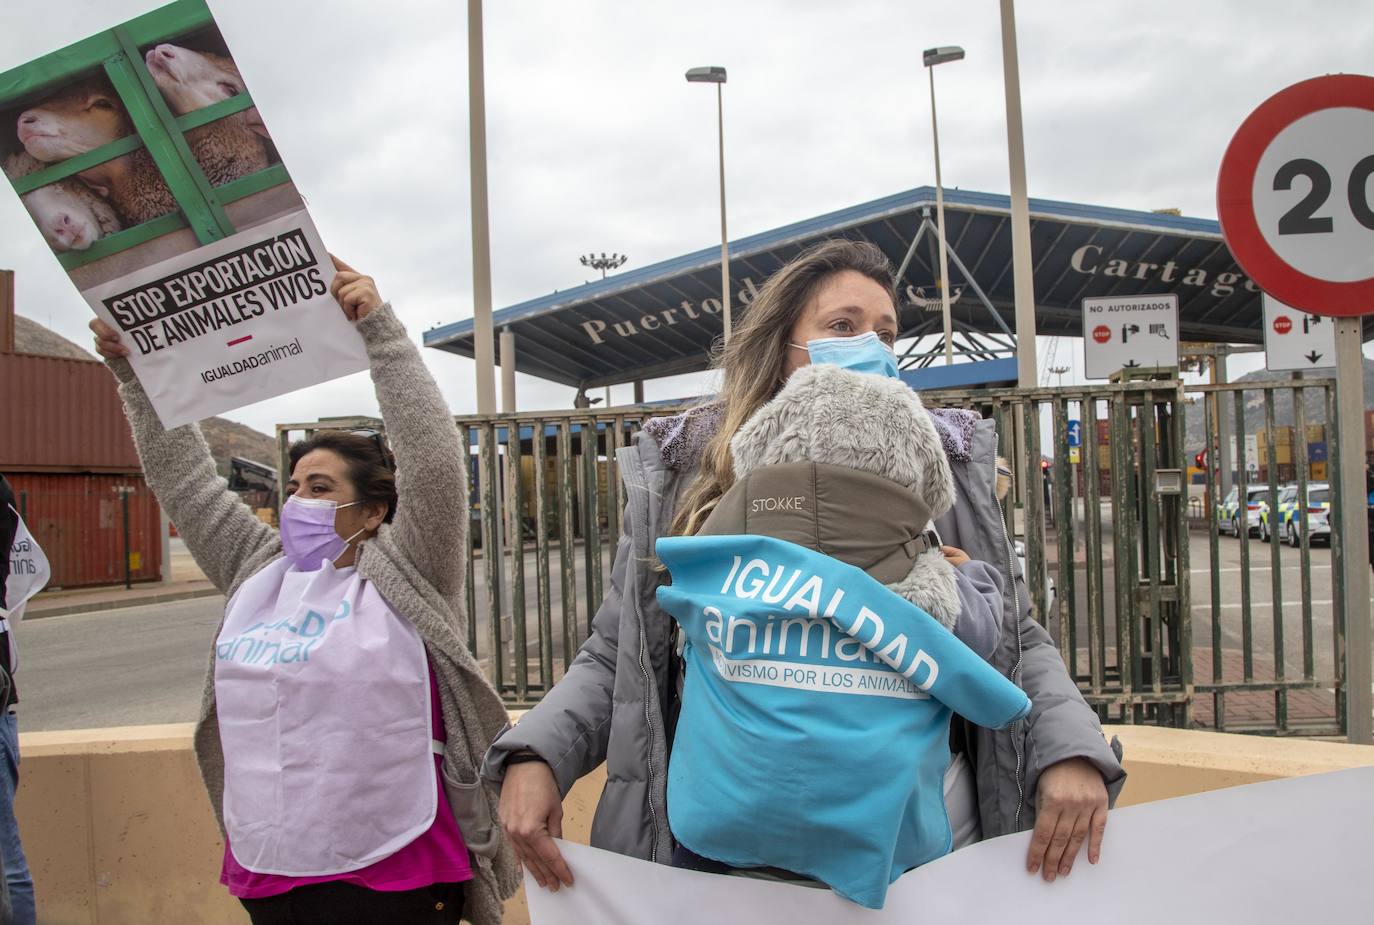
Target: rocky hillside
<point>1283,404</point>
<point>226,438</point>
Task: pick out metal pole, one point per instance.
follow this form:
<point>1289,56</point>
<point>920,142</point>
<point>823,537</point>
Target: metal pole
<point>483,351</point>
<point>507,371</point>
<point>1224,455</point>
<point>724,239</point>
<point>511,507</point>
<point>1354,564</point>
<point>124,499</point>
<point>1020,207</point>
<point>940,227</point>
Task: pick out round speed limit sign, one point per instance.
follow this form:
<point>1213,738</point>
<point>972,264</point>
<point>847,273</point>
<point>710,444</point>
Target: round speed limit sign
<point>1296,195</point>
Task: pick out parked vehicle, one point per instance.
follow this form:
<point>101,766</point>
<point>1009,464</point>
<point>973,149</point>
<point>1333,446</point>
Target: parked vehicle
<point>1271,516</point>
<point>1312,517</point>
<point>1229,513</point>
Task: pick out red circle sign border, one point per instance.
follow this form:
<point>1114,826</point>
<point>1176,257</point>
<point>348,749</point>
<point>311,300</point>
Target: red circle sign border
<point>1235,205</point>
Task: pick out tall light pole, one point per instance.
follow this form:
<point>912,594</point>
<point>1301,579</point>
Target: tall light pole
<point>1022,278</point>
<point>932,57</point>
<point>482,347</point>
<point>716,75</point>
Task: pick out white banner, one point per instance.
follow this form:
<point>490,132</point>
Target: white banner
<point>234,322</point>
<point>29,571</point>
<point>1281,852</point>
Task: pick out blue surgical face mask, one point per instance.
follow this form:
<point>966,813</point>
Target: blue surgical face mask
<point>862,353</point>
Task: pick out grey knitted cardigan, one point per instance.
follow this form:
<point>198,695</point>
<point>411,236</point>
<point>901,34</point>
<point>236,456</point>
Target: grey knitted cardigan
<point>416,561</point>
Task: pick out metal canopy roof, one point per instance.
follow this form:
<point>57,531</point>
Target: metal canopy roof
<point>661,319</point>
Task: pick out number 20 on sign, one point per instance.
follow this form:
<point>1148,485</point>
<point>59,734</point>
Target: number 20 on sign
<point>1294,195</point>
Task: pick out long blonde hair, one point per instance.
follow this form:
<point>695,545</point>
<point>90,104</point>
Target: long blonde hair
<point>753,365</point>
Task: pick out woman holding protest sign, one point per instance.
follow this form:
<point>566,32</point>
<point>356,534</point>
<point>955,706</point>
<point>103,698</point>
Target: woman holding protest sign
<point>1053,771</point>
<point>343,719</point>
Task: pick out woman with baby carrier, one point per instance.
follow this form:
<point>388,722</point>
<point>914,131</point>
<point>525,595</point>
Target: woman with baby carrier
<point>344,719</point>
<point>880,471</point>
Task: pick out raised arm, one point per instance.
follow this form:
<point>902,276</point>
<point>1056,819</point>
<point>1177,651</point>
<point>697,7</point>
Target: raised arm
<point>227,541</point>
<point>431,518</point>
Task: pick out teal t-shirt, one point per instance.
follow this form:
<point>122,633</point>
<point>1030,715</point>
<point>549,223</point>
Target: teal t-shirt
<point>814,732</point>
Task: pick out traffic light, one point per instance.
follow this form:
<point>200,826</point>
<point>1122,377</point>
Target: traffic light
<point>1200,460</point>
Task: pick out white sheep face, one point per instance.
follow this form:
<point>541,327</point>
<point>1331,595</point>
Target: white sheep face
<point>68,221</point>
<point>82,117</point>
<point>191,80</point>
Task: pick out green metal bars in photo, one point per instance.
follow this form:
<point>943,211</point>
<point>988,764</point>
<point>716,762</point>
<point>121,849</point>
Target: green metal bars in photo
<point>1112,546</point>
<point>115,53</point>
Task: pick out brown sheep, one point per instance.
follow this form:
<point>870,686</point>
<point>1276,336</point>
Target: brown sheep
<point>87,115</point>
<point>68,213</point>
<point>228,148</point>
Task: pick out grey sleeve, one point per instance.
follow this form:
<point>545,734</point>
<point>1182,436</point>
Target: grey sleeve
<point>980,607</point>
<point>1062,725</point>
<point>431,518</point>
<point>571,726</point>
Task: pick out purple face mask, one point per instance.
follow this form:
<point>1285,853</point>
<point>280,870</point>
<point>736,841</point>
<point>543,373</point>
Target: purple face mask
<point>308,536</point>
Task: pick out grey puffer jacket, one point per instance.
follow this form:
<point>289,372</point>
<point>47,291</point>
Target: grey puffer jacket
<point>610,706</point>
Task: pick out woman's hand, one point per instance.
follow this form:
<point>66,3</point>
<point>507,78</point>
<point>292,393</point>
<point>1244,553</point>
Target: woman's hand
<point>954,555</point>
<point>532,815</point>
<point>1070,805</point>
<point>356,293</point>
<point>107,340</point>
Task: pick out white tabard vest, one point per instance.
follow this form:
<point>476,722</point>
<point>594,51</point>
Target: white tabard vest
<point>323,699</point>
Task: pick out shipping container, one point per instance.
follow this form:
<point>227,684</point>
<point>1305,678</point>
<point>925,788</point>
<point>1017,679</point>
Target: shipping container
<point>78,520</point>
<point>62,415</point>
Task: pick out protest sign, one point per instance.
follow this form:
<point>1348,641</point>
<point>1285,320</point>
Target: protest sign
<point>149,172</point>
<point>28,571</point>
<point>1229,856</point>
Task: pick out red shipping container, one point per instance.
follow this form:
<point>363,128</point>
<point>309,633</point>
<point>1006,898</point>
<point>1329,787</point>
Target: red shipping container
<point>78,519</point>
<point>62,415</point>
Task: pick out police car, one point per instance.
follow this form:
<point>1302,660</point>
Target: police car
<point>1312,518</point>
<point>1229,512</point>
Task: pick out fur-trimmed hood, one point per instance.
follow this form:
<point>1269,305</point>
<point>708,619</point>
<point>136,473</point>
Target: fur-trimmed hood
<point>871,424</point>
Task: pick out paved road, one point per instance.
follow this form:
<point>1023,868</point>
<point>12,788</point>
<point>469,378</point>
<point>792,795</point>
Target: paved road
<point>116,667</point>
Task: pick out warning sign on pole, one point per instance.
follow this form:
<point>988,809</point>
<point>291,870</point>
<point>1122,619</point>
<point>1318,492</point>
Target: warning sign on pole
<point>1295,339</point>
<point>1129,332</point>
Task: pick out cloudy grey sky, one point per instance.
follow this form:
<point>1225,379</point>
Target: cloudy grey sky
<point>595,141</point>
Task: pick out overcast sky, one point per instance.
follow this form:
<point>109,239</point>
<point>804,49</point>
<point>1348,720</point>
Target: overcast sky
<point>595,141</point>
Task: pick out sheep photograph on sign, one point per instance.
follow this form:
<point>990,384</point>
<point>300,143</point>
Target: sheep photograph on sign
<point>150,174</point>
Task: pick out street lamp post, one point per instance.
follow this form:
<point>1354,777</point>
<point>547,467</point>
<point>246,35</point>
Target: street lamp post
<point>932,57</point>
<point>716,75</point>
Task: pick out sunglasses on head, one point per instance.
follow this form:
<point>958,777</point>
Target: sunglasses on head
<point>377,440</point>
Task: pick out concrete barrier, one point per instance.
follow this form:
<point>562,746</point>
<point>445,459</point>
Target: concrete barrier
<point>117,827</point>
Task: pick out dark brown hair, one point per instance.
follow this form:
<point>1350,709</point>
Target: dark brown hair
<point>368,463</point>
<point>754,363</point>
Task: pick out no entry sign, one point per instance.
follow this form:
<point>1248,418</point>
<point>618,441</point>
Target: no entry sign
<point>1294,195</point>
<point>1296,340</point>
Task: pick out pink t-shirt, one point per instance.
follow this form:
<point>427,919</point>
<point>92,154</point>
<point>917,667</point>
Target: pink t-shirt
<point>438,856</point>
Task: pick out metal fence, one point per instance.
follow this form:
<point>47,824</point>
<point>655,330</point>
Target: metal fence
<point>1107,543</point>
<point>1273,646</point>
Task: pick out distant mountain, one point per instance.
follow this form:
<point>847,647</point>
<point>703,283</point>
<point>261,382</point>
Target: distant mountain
<point>226,438</point>
<point>1313,405</point>
<point>229,438</point>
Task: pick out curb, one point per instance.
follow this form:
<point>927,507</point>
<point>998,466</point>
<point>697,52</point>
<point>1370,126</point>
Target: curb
<point>165,597</point>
